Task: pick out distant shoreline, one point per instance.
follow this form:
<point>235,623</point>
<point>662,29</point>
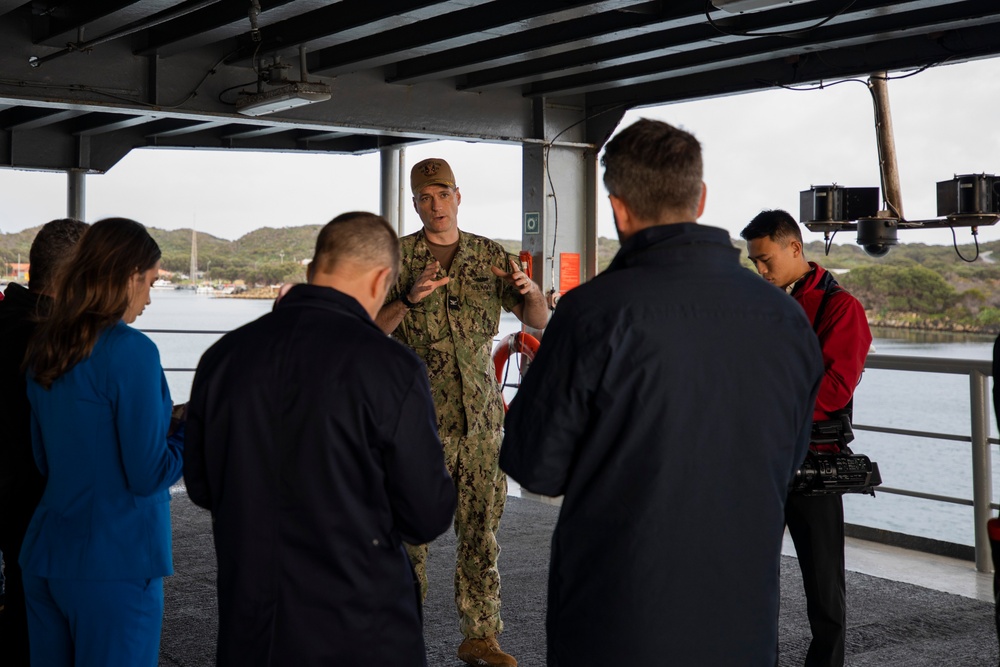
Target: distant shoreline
<point>260,293</point>
<point>913,323</point>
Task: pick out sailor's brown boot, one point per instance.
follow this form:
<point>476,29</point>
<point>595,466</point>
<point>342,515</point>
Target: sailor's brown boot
<point>485,652</point>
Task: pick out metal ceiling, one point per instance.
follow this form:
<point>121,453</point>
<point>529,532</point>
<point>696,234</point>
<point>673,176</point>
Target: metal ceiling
<point>111,75</point>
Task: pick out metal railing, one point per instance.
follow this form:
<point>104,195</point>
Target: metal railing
<point>978,373</point>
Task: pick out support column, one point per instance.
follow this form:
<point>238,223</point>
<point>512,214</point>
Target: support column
<point>559,200</point>
<point>404,192</point>
<point>76,194</point>
<point>390,160</point>
<point>982,475</point>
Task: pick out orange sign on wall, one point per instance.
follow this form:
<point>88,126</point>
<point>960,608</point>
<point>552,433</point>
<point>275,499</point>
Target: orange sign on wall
<point>569,271</point>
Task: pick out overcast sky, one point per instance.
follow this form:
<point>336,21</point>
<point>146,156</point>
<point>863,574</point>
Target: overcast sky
<point>760,150</point>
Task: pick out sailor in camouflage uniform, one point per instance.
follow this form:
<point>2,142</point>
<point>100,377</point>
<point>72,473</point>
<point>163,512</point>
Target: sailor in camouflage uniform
<point>446,307</point>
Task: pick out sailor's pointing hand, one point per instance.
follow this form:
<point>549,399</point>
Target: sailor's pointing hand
<point>516,277</point>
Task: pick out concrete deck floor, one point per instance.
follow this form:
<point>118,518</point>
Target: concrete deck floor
<point>903,608</point>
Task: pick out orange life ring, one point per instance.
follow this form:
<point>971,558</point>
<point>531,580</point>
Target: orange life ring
<point>511,344</point>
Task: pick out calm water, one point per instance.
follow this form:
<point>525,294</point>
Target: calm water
<point>916,401</point>
<point>925,402</point>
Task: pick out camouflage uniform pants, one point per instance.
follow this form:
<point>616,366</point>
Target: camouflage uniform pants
<point>482,492</point>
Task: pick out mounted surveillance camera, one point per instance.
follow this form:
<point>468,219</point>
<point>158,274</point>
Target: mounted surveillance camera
<point>971,200</point>
<point>877,235</point>
<point>837,204</point>
<point>969,194</point>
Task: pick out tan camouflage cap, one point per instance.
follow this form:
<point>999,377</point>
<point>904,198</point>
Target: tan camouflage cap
<point>432,171</point>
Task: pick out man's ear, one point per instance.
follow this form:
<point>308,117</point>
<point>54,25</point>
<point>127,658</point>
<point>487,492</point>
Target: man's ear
<point>701,202</point>
<point>796,247</point>
<point>380,284</point>
<point>624,219</point>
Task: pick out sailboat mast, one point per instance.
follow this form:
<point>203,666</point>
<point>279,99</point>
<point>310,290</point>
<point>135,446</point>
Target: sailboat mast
<point>194,255</point>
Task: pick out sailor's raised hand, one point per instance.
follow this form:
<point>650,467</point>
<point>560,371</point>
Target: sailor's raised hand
<point>516,277</point>
<point>426,284</point>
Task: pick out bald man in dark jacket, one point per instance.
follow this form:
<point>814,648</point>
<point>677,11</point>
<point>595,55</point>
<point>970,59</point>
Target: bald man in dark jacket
<point>312,438</point>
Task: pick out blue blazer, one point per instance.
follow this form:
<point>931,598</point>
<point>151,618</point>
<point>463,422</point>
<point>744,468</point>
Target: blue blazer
<point>99,435</point>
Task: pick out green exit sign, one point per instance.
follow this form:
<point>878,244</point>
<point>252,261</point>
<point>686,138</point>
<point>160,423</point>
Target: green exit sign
<point>533,223</point>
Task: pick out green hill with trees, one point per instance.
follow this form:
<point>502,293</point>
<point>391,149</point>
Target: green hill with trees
<point>915,285</point>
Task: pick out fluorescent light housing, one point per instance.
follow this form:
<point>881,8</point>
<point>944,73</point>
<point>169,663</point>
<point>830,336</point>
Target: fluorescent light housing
<point>740,6</point>
<point>293,95</point>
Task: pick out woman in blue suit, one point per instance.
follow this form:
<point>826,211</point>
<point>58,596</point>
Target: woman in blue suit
<point>98,545</point>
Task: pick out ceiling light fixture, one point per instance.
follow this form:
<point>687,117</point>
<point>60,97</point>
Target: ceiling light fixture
<point>287,95</point>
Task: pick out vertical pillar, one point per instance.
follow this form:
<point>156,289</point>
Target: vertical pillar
<point>559,205</point>
<point>590,168</point>
<point>982,475</point>
<point>389,160</point>
<point>404,192</point>
<point>76,194</point>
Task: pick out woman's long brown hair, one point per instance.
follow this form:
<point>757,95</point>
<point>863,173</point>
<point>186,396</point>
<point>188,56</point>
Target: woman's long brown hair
<point>91,293</point>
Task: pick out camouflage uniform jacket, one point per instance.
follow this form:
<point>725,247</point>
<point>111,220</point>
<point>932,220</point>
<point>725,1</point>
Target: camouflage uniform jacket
<point>452,330</point>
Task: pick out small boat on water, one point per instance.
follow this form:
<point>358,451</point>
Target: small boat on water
<point>163,284</point>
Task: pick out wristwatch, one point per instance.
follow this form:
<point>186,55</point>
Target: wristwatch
<point>406,302</point>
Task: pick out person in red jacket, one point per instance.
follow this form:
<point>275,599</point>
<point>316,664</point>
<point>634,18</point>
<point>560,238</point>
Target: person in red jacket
<point>816,523</point>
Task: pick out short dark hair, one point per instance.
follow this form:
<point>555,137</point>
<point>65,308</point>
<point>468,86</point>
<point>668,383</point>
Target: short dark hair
<point>360,237</point>
<point>54,242</point>
<point>654,168</point>
<point>776,224</point>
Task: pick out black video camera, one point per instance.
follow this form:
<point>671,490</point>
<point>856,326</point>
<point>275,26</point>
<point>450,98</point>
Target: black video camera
<point>823,474</point>
<point>844,472</point>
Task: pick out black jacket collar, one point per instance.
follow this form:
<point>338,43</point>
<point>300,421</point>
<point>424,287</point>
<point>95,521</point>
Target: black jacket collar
<point>651,243</point>
<point>317,296</point>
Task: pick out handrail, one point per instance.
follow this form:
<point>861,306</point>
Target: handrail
<point>982,476</point>
<point>899,362</point>
<point>220,333</point>
<point>982,481</point>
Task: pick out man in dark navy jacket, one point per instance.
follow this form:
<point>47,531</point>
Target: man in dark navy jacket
<point>670,403</point>
<point>311,436</point>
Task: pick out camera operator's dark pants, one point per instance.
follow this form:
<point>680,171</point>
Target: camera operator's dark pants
<point>816,524</point>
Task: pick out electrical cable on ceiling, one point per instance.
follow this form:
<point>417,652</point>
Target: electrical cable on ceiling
<point>194,91</point>
<point>820,86</point>
<point>106,92</point>
<point>777,33</point>
<point>240,85</point>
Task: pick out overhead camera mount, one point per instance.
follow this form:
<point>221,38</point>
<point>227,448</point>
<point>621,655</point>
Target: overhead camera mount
<point>969,200</point>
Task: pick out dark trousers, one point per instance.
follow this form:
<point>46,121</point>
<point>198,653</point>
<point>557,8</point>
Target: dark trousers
<point>14,619</point>
<point>816,524</point>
